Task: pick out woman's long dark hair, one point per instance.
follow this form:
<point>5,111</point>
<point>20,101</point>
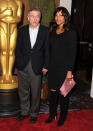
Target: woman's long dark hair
<point>65,13</point>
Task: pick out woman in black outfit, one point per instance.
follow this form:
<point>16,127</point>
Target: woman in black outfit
<point>62,58</point>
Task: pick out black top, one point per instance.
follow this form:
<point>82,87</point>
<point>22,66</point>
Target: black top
<point>62,57</point>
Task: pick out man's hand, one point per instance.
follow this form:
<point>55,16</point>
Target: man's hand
<point>44,71</point>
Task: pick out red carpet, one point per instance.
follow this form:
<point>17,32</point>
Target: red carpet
<point>76,121</point>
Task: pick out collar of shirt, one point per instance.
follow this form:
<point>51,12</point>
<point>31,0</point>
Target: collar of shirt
<point>33,35</point>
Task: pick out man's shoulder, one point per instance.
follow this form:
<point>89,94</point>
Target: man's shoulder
<point>23,28</point>
<point>43,27</point>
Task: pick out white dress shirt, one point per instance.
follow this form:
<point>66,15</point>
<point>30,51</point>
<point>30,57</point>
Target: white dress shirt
<point>33,35</point>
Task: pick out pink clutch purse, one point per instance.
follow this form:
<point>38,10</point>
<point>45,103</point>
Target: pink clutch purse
<point>67,86</point>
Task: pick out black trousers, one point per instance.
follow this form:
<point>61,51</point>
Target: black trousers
<point>29,87</point>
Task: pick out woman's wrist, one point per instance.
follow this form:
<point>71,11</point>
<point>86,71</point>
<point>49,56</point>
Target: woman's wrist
<point>69,75</point>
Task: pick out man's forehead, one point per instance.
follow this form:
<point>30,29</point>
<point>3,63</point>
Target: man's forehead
<point>34,12</point>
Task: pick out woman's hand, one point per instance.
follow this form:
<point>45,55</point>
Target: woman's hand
<point>69,75</point>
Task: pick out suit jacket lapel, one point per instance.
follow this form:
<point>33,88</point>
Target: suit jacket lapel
<point>28,37</point>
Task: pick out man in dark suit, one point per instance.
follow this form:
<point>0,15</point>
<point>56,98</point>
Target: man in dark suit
<point>31,60</point>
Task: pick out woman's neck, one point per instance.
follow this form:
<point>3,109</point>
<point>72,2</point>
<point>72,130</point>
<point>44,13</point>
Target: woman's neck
<point>60,29</point>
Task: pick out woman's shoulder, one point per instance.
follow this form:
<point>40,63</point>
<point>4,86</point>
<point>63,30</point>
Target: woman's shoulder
<point>71,32</point>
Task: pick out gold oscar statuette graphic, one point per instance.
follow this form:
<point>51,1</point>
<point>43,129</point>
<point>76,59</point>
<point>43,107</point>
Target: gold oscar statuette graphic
<point>10,15</point>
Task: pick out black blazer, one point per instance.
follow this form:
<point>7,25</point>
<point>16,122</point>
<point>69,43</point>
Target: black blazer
<point>39,54</point>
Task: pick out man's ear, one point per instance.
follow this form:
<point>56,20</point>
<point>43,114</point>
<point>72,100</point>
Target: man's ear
<point>28,18</point>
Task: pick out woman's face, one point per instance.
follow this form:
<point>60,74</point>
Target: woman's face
<point>59,18</point>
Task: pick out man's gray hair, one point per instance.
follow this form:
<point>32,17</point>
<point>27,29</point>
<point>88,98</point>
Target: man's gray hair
<point>35,9</point>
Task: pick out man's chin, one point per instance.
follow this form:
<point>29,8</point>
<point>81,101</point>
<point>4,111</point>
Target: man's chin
<point>34,25</point>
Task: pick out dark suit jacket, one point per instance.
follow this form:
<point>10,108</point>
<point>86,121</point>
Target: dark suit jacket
<point>39,54</point>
